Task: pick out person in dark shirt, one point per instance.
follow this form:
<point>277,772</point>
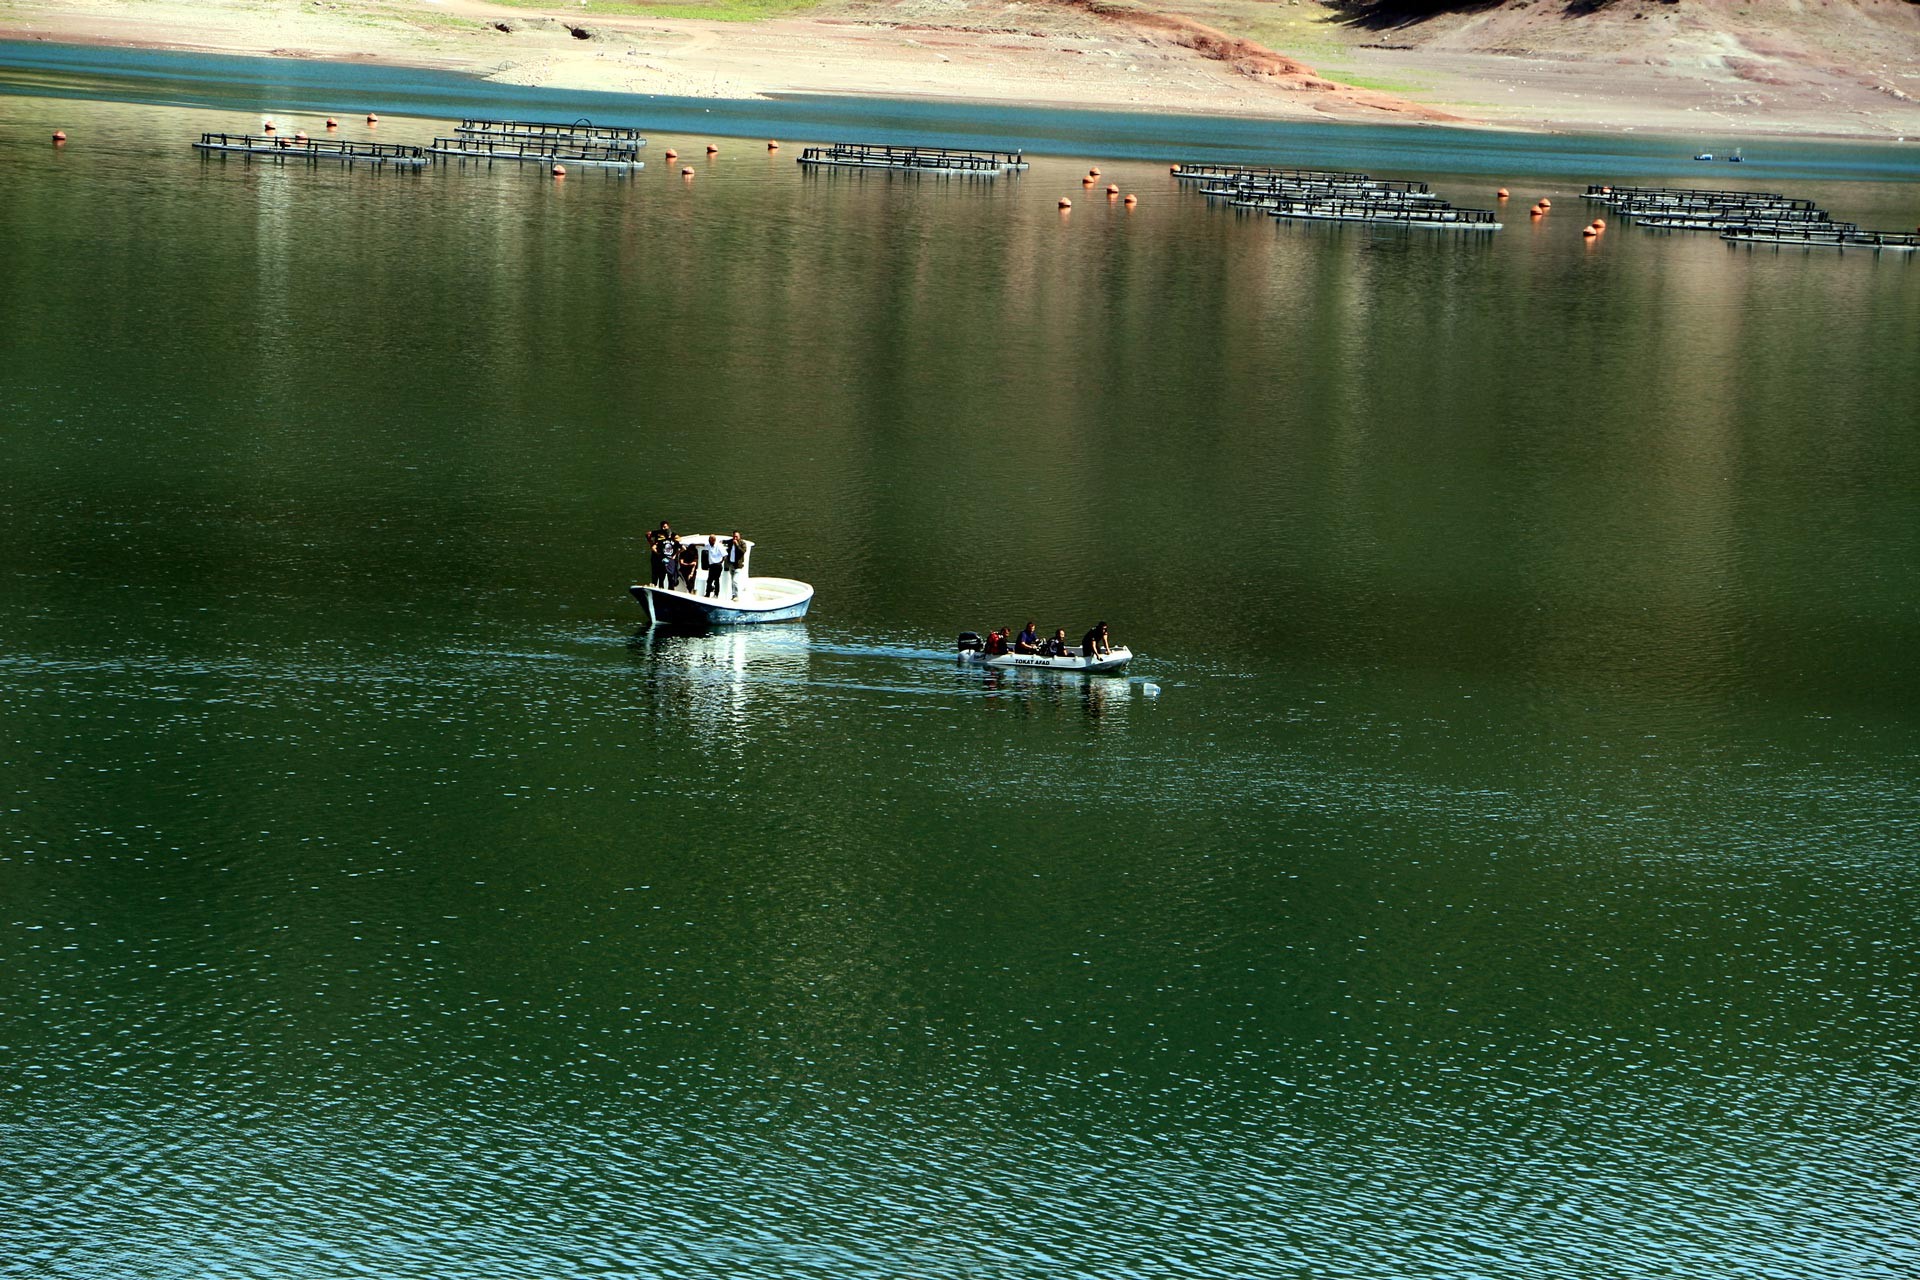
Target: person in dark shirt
<point>670,561</point>
<point>1094,643</point>
<point>1028,640</point>
<point>1055,645</point>
<point>736,560</point>
<point>656,563</point>
<point>689,567</point>
<point>659,556</point>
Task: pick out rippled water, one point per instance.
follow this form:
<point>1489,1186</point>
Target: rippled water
<point>1499,862</point>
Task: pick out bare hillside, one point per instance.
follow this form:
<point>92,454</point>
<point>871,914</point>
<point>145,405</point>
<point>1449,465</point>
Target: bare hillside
<point>1823,65</point>
<point>1645,30</point>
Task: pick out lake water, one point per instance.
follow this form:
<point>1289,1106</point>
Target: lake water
<point>1500,860</point>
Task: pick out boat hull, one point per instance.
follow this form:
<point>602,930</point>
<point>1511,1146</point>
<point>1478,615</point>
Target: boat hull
<point>1114,661</point>
<point>763,600</point>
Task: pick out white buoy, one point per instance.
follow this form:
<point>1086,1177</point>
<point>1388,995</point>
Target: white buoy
<point>1150,690</point>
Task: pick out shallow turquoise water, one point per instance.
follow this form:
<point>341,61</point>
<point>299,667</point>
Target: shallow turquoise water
<point>1510,875</point>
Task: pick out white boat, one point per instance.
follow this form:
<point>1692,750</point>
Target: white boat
<point>743,598</point>
<point>972,650</point>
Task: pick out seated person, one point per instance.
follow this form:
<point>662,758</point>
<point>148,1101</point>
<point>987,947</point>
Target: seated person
<point>1055,645</point>
<point>1028,641</point>
<point>996,643</point>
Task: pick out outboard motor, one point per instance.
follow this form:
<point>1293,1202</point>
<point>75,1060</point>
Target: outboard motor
<point>970,642</point>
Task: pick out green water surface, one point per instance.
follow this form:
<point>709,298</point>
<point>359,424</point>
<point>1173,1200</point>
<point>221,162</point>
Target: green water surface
<point>1500,860</point>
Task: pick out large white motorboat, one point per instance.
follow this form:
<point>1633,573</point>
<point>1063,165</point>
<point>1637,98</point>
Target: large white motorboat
<point>742,599</point>
<point>973,649</point>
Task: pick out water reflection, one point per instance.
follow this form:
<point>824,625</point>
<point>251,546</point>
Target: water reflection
<point>1102,699</point>
<point>719,683</point>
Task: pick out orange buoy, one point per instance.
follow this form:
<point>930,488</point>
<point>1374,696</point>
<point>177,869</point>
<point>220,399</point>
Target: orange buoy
<point>1599,224</point>
<point>299,137</point>
<point>268,124</point>
<point>332,123</point>
<point>1065,203</point>
<point>712,150</point>
<point>1590,234</point>
<point>559,171</point>
<point>686,173</point>
<point>1173,168</point>
<point>1112,190</point>
<point>1093,173</point>
<point>372,118</point>
<point>1545,203</point>
<point>1536,213</point>
<point>1504,193</point>
<point>772,145</point>
<point>59,137</point>
<point>672,154</point>
<point>1131,201</point>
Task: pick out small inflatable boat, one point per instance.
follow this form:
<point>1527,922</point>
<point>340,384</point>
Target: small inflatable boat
<point>974,650</point>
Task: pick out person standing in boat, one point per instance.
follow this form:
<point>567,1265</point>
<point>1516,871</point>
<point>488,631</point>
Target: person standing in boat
<point>689,567</point>
<point>659,542</point>
<point>1028,640</point>
<point>736,560</point>
<point>669,559</point>
<point>656,563</point>
<point>713,558</point>
<point>1094,643</point>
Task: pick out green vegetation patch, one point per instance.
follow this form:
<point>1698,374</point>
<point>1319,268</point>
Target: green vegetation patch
<point>1402,88</point>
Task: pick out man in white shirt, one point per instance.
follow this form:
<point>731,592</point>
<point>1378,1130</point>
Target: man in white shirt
<point>713,558</point>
